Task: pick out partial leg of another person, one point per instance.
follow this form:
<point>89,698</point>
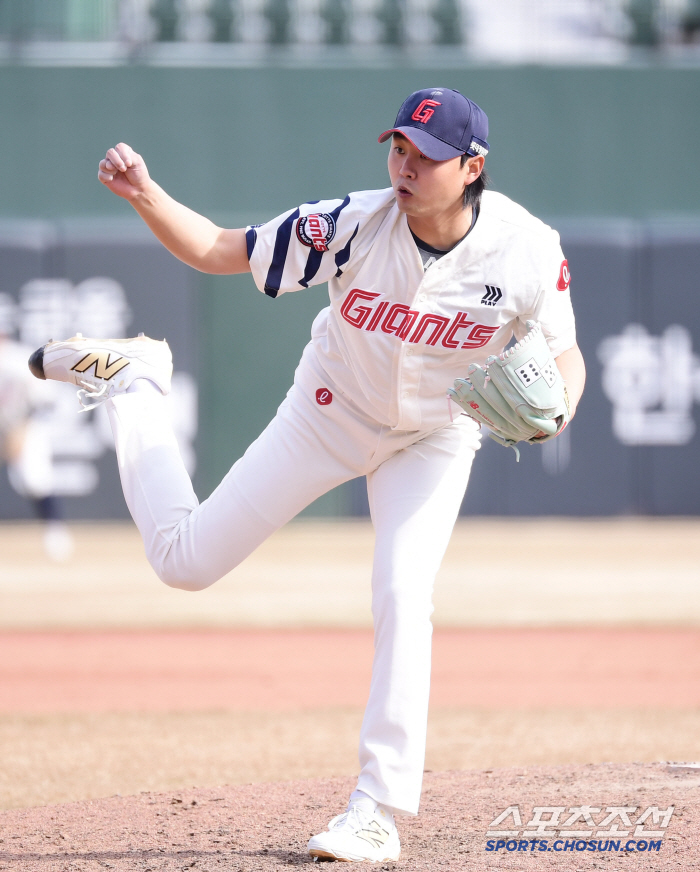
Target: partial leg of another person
<point>30,470</point>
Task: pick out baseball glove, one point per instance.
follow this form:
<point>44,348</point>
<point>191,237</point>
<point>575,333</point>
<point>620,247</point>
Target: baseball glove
<point>520,395</point>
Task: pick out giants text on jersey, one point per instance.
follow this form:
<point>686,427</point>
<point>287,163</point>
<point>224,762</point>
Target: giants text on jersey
<point>394,338</point>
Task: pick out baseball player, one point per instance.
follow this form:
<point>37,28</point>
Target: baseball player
<point>25,440</point>
<point>429,280</point>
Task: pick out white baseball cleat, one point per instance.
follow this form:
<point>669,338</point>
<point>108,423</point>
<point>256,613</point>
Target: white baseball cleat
<point>102,368</point>
<point>358,834</point>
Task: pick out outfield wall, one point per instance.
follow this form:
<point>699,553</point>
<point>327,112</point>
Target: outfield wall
<point>616,142</point>
<point>615,151</point>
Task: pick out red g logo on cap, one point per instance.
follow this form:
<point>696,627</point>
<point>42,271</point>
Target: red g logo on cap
<point>324,397</point>
<point>423,113</point>
<point>564,276</point>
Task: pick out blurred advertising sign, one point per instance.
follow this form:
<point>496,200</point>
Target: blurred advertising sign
<point>652,383</point>
<point>108,288</point>
<point>634,445</point>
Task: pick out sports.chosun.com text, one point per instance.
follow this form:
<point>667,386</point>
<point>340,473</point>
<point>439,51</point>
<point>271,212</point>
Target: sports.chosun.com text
<point>529,845</point>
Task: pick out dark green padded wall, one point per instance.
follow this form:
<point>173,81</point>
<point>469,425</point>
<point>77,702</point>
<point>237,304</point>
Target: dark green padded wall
<point>564,141</point>
<point>244,144</point>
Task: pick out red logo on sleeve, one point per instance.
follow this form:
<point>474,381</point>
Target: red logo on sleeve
<point>324,397</point>
<point>316,231</point>
<point>564,276</point>
<point>423,113</point>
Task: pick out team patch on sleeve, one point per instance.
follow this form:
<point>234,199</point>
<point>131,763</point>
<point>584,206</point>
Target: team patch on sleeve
<point>316,231</point>
<point>564,276</point>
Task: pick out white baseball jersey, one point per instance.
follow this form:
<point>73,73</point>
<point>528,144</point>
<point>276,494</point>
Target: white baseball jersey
<point>394,337</point>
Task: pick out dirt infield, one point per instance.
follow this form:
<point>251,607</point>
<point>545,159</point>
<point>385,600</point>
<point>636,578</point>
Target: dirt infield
<point>111,683</point>
<point>49,759</point>
<point>299,669</point>
<point>85,714</point>
<point>264,827</point>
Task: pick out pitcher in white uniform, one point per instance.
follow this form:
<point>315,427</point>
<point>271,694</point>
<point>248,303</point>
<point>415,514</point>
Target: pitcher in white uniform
<point>424,277</point>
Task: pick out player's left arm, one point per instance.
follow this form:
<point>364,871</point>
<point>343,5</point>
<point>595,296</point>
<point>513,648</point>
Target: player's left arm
<point>554,311</point>
<point>573,370</point>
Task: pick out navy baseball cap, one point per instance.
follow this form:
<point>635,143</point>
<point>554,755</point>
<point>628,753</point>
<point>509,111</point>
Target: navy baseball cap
<point>442,124</point>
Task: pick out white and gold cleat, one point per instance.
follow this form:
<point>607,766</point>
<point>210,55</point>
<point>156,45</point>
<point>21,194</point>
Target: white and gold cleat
<point>102,368</point>
<point>359,834</point>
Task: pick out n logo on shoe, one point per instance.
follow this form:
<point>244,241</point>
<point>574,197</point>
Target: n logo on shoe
<point>374,834</point>
<point>104,367</point>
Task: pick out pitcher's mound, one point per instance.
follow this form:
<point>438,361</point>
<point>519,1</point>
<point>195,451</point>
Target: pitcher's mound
<point>565,818</point>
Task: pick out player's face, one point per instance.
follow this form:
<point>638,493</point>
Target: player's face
<point>425,187</point>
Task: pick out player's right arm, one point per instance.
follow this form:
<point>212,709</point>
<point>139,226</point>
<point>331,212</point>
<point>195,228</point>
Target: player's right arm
<point>191,237</point>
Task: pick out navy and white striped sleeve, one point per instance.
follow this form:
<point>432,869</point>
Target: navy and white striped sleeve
<point>305,246</point>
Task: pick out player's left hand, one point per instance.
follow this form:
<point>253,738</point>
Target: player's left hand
<point>520,396</point>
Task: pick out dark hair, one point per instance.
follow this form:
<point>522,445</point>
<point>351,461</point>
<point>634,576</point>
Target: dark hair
<point>473,192</point>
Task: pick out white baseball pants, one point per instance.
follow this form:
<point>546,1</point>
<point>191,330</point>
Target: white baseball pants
<point>416,482</point>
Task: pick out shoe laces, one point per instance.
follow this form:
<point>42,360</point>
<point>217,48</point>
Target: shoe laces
<point>356,818</point>
<point>92,392</point>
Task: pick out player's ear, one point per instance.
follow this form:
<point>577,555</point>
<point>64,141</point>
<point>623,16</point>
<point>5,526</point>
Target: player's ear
<point>473,167</point>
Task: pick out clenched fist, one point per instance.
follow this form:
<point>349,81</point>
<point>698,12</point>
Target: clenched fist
<point>124,172</point>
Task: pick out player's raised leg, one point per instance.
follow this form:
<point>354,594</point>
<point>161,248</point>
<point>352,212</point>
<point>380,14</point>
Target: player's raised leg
<point>294,461</point>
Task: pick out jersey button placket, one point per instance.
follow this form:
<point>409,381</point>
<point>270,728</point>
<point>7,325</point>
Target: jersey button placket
<point>410,368</point>
<point>410,379</point>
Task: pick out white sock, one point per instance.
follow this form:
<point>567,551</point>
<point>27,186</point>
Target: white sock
<point>363,800</point>
<point>142,385</point>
